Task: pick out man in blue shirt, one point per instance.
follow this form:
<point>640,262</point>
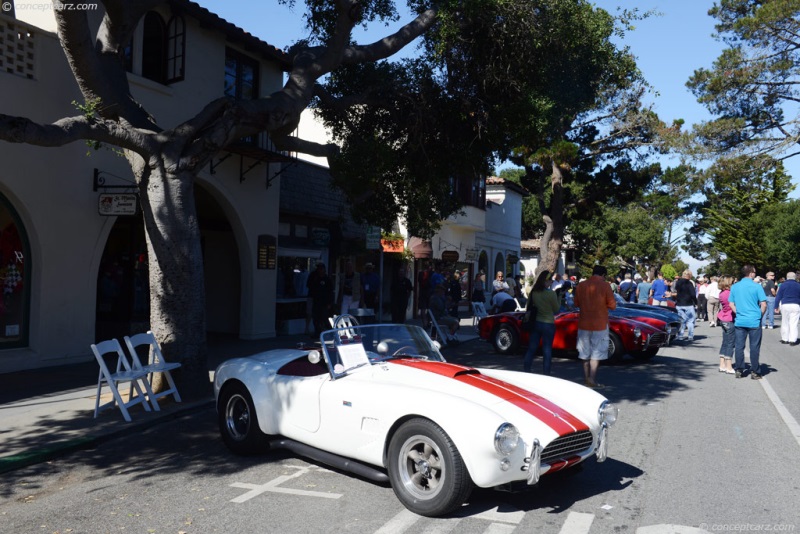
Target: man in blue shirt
<point>658,289</point>
<point>748,302</point>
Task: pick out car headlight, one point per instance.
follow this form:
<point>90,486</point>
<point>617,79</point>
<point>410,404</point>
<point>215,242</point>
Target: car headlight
<point>607,414</point>
<point>637,332</point>
<point>506,439</point>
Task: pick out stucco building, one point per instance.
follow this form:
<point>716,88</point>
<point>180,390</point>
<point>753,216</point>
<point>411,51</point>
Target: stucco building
<point>72,256</point>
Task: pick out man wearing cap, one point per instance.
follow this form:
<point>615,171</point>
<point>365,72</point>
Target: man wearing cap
<point>787,303</point>
<point>770,290</point>
<point>594,298</point>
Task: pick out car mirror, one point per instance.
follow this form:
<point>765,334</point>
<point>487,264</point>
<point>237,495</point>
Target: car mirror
<point>383,348</point>
<point>437,345</point>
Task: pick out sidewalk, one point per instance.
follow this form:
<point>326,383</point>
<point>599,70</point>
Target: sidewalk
<point>48,412</point>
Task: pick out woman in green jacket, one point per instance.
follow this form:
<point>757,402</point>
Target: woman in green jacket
<point>547,306</point>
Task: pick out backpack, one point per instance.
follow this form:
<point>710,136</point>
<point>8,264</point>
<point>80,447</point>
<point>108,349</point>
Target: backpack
<point>626,292</point>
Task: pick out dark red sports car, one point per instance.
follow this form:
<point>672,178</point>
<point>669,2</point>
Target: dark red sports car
<point>626,335</point>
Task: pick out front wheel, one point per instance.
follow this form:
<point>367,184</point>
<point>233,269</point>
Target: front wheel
<point>238,422</point>
<point>426,470</point>
<point>647,354</point>
<point>615,348</point>
<point>505,339</point>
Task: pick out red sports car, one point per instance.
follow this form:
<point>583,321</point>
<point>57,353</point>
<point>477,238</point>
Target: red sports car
<point>626,335</point>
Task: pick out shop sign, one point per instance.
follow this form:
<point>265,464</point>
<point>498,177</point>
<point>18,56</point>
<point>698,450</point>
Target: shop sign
<point>392,245</point>
<point>450,256</point>
<point>110,204</point>
<point>472,254</point>
<point>320,237</point>
<point>267,252</point>
<point>373,237</point>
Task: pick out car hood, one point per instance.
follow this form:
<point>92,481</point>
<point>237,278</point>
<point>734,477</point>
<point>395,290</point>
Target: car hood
<point>530,402</point>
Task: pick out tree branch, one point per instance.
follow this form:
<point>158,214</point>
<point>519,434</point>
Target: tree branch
<point>391,44</point>
<point>71,129</point>
<point>289,143</point>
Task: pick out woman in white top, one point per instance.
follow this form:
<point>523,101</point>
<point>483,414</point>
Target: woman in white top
<point>712,300</point>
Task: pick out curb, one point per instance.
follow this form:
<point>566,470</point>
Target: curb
<point>58,449</point>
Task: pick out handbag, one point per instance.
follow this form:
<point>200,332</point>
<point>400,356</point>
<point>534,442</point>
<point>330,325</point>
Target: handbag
<point>529,319</point>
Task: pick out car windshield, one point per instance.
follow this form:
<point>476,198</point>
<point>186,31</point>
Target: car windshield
<point>353,347</point>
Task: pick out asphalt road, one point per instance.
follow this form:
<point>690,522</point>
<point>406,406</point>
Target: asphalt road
<point>694,451</point>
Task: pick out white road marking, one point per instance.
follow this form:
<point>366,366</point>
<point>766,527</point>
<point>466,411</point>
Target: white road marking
<point>499,528</point>
<point>577,523</point>
<point>790,421</point>
<point>272,487</point>
<point>513,516</point>
<point>670,529</point>
<point>443,526</point>
<point>399,523</point>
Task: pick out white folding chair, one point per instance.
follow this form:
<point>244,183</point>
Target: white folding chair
<point>520,307</point>
<point>155,364</point>
<point>123,373</point>
<point>478,313</point>
<point>440,336</point>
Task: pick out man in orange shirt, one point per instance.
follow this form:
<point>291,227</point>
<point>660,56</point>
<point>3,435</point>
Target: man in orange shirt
<point>594,298</point>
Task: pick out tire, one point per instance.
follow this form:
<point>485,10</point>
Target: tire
<point>238,422</point>
<point>615,348</point>
<point>646,354</point>
<point>505,339</point>
<point>426,470</point>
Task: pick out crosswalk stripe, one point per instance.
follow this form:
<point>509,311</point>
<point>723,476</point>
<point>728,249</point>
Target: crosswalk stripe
<point>399,523</point>
<point>577,523</point>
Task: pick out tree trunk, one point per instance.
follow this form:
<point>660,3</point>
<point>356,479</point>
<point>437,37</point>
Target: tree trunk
<point>553,237</point>
<point>177,295</point>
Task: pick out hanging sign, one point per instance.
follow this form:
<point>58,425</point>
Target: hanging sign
<point>450,256</point>
<point>110,204</point>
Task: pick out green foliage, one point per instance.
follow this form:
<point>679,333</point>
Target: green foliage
<point>89,109</point>
<point>494,78</point>
<point>668,271</point>
<point>735,191</point>
<point>777,227</point>
<point>752,86</point>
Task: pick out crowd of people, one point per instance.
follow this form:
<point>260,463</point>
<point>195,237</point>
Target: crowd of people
<point>742,308</point>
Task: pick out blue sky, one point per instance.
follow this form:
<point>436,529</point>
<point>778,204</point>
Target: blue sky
<point>669,46</point>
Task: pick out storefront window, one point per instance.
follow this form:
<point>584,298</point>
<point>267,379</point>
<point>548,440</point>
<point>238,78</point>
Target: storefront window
<point>14,277</point>
<point>293,275</point>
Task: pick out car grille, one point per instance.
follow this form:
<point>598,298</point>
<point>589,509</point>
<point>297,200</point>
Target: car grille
<point>566,446</point>
<point>658,339</point>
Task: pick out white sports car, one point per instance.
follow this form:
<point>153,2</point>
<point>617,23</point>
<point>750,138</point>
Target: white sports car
<point>380,401</point>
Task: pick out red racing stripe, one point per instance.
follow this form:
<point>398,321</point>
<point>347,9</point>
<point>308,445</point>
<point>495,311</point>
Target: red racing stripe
<point>560,420</point>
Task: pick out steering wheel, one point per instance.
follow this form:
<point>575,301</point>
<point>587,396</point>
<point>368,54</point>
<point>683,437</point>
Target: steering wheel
<point>403,350</point>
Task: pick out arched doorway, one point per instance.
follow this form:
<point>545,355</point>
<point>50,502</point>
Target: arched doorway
<point>123,293</point>
<point>483,263</point>
<point>499,265</point>
<point>15,282</point>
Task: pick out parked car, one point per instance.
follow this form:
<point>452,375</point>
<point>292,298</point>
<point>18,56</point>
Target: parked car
<point>664,317</point>
<point>626,335</point>
<point>381,401</point>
